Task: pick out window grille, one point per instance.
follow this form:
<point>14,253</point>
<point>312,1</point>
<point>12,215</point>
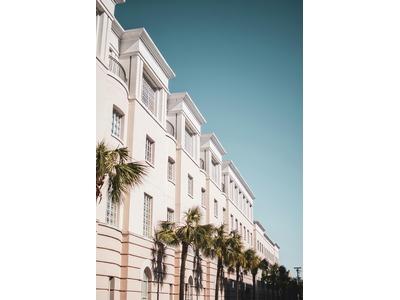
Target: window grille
<point>171,169</point>
<point>147,213</point>
<point>149,151</point>
<point>116,125</point>
<point>170,215</point>
<point>149,95</point>
<point>111,212</point>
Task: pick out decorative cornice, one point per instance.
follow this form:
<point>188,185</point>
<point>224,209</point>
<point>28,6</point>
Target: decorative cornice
<point>119,31</point>
<point>184,96</point>
<point>215,141</point>
<point>141,33</point>
<point>259,225</point>
<point>237,173</point>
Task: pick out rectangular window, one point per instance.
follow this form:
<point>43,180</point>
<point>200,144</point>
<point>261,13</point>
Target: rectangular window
<point>248,236</point>
<point>189,137</point>
<point>190,185</point>
<point>244,233</point>
<point>232,225</point>
<point>149,151</point>
<point>170,215</point>
<point>116,125</point>
<point>149,95</point>
<point>147,215</point>
<point>171,169</point>
<point>215,208</point>
<point>241,229</point>
<point>111,212</point>
<point>251,239</point>
<point>214,167</point>
<point>203,197</point>
<point>237,226</point>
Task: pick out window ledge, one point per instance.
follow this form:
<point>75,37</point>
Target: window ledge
<point>150,164</point>
<point>118,139</point>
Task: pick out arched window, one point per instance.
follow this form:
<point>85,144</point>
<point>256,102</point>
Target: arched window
<point>146,285</point>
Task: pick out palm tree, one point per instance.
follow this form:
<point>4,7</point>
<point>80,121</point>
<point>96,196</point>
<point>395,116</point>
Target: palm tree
<point>114,166</point>
<point>252,264</point>
<point>235,257</point>
<point>220,244</point>
<point>158,261</point>
<point>189,234</point>
<point>283,279</point>
<point>272,277</point>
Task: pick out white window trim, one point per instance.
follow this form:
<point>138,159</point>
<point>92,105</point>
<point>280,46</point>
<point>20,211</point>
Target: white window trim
<point>171,166</point>
<point>190,190</point>
<point>152,151</point>
<point>117,112</point>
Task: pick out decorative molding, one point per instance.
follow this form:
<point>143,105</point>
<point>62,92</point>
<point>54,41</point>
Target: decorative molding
<point>215,140</point>
<point>235,170</point>
<point>133,35</point>
<point>184,96</point>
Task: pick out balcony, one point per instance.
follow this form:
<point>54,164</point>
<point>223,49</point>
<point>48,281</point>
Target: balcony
<point>117,69</point>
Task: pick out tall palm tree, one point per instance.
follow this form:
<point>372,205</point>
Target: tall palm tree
<point>158,261</point>
<point>272,277</point>
<point>114,166</point>
<point>235,257</point>
<point>189,234</point>
<point>220,245</point>
<point>252,264</point>
<point>283,279</point>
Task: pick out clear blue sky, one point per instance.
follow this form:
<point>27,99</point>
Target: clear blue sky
<point>241,61</point>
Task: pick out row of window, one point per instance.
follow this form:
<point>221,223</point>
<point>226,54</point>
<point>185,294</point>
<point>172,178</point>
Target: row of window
<point>261,248</point>
<point>112,214</point>
<point>245,233</point>
<point>239,199</point>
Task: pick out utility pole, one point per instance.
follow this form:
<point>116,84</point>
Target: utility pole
<point>298,269</point>
<point>298,273</point>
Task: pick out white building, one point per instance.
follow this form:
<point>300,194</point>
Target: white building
<point>135,109</point>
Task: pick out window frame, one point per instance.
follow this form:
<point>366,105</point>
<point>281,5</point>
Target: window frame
<point>116,111</point>
<point>170,212</point>
<point>190,185</point>
<point>148,85</point>
<point>152,150</point>
<point>203,197</point>
<point>147,226</point>
<point>171,169</point>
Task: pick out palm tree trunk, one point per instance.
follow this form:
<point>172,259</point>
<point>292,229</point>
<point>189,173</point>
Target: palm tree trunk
<point>182,271</point>
<point>219,267</point>
<point>254,286</point>
<point>237,282</point>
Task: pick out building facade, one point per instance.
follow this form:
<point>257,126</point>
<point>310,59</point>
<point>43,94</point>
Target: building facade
<point>185,168</point>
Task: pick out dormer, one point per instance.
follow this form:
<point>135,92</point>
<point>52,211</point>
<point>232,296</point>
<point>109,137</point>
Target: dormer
<point>211,152</point>
<point>145,70</point>
<point>185,120</point>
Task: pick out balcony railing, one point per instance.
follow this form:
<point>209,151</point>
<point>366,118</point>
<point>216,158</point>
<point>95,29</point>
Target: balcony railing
<point>117,69</point>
